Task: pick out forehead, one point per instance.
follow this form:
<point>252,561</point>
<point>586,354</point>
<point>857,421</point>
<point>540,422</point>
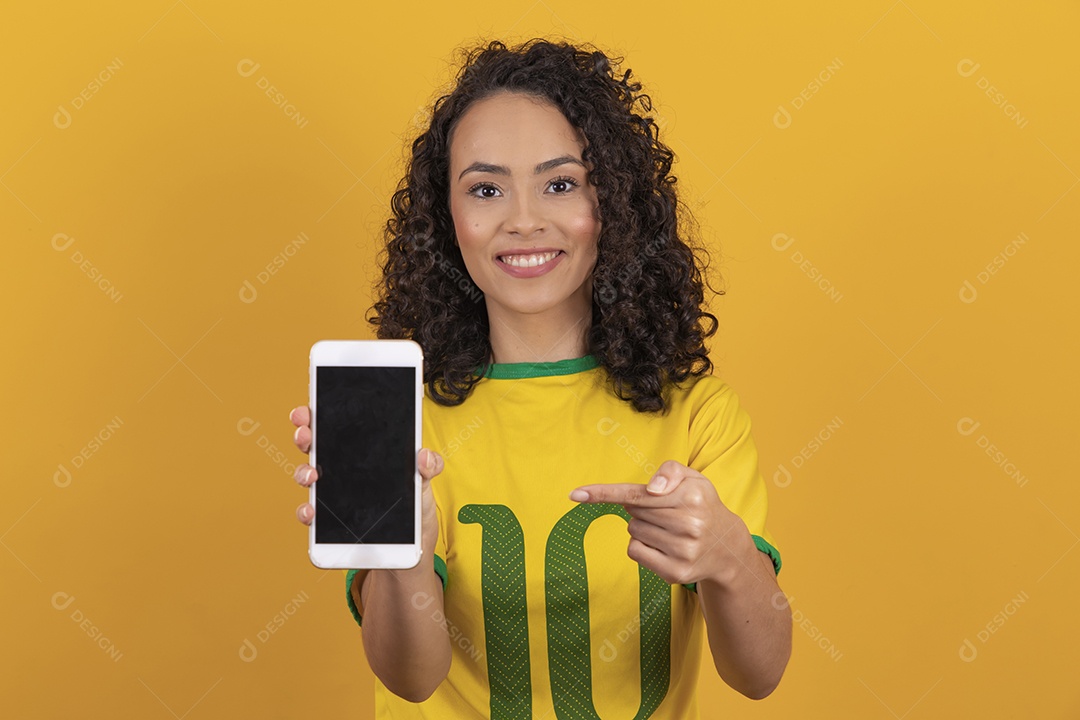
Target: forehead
<point>513,129</point>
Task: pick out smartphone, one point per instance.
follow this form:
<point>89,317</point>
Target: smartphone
<point>365,399</point>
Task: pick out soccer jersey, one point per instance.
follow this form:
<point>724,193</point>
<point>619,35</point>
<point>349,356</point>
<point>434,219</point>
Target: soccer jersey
<point>547,615</point>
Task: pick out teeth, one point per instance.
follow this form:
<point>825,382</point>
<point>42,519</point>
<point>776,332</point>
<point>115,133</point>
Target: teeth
<point>528,260</point>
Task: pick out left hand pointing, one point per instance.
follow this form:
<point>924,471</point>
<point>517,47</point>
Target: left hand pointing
<point>679,527</point>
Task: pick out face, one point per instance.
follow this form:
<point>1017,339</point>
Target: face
<point>524,214</point>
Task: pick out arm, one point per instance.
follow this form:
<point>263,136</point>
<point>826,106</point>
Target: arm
<point>407,645</point>
<point>681,531</point>
<point>404,630</point>
<point>407,648</point>
<point>749,626</point>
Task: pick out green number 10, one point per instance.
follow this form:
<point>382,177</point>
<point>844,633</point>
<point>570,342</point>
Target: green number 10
<point>566,588</point>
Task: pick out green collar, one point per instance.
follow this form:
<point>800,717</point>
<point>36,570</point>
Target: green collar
<point>520,370</point>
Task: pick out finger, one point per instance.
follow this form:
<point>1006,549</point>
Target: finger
<point>667,518</point>
<point>668,477</point>
<point>649,557</point>
<point>652,535</point>
<point>305,475</point>
<point>300,415</point>
<point>305,513</point>
<point>302,438</point>
<point>429,462</point>
<point>621,493</point>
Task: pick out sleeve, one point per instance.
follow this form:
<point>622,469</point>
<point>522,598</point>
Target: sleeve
<point>722,449</point>
<point>439,562</point>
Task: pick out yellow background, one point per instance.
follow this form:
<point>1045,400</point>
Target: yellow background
<point>899,180</point>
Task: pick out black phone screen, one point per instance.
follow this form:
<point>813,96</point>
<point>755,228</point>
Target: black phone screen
<point>365,435</point>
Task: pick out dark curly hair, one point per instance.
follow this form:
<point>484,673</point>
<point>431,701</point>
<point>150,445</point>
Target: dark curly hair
<point>648,325</point>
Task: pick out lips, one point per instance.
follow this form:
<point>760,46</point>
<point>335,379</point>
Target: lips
<point>526,263</point>
<point>529,260</point>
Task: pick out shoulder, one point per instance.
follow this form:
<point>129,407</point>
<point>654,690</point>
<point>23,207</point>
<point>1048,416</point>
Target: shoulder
<point>711,410</point>
<point>705,393</point>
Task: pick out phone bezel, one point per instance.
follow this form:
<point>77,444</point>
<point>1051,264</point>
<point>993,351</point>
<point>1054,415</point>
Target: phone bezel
<point>366,353</point>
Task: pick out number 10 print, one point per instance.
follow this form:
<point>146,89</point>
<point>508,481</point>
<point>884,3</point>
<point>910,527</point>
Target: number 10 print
<point>566,589</point>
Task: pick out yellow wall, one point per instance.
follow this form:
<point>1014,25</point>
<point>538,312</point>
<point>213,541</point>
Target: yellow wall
<point>856,182</point>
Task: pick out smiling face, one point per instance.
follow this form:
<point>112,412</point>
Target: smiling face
<point>524,214</point>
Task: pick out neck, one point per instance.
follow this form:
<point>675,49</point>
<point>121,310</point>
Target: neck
<point>558,334</point>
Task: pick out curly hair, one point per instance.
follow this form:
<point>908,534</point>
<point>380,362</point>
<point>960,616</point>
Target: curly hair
<point>648,326</point>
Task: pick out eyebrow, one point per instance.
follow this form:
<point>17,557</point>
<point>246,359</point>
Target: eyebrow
<point>503,170</point>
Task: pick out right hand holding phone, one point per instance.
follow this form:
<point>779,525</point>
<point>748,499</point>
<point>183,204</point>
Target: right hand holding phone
<point>429,463</point>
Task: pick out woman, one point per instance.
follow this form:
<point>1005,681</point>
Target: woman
<point>535,254</point>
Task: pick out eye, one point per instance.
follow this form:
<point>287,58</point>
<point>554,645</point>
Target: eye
<point>563,185</point>
<point>484,191</point>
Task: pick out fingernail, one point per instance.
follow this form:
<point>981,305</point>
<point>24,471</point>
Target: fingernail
<point>296,435</point>
<point>657,484</point>
<point>309,475</point>
<point>579,496</point>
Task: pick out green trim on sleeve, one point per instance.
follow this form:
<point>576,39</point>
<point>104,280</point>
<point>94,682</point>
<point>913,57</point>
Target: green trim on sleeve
<point>440,570</point>
<point>349,598</point>
<point>761,544</point>
<point>769,550</point>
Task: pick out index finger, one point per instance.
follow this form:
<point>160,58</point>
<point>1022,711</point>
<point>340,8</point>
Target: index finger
<point>621,493</point>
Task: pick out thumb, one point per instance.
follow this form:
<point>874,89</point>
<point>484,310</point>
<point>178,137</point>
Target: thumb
<point>664,484</point>
<point>430,463</point>
<point>668,476</point>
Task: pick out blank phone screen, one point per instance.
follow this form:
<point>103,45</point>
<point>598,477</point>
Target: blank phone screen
<point>365,428</point>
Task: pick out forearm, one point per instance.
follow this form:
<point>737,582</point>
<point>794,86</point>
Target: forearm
<point>405,640</point>
<point>749,630</point>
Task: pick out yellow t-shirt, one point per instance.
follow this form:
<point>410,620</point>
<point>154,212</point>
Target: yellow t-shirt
<point>547,615</point>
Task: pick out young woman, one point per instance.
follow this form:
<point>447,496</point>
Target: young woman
<point>598,506</point>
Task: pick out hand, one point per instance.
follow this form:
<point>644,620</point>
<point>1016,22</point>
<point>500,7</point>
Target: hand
<point>429,462</point>
<point>679,527</point>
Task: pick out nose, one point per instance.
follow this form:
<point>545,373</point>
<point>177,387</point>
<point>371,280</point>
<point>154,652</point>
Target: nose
<point>524,216</point>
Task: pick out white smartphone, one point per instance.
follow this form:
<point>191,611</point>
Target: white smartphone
<point>365,399</point>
